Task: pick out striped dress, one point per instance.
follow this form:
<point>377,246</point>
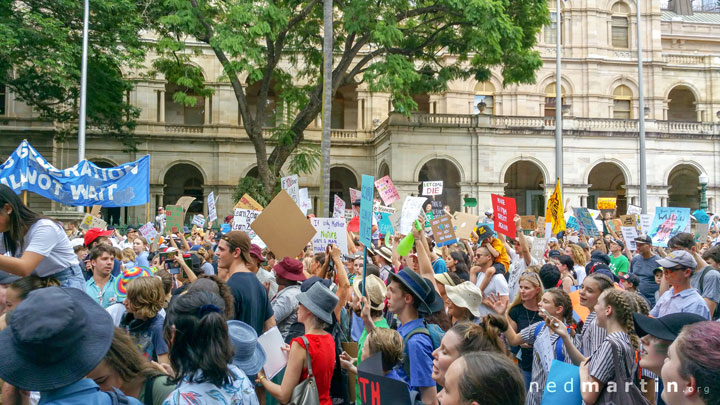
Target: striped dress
<point>592,335</point>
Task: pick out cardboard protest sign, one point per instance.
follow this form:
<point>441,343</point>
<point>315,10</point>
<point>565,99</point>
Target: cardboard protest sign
<point>366,209</point>
<point>432,187</point>
<point>504,210</point>
<point>443,231</point>
<point>243,219</point>
<point>585,221</point>
<point>198,220</point>
<point>291,184</point>
<point>95,210</point>
<point>212,211</point>
<point>376,389</point>
<point>701,232</point>
<point>329,231</point>
<point>385,225</point>
<point>437,208</point>
<point>528,222</point>
<point>349,215</point>
<point>410,211</point>
<point>634,210</point>
<point>185,202</point>
<point>387,190</point>
<point>305,203</point>
<point>629,233</point>
<point>338,207</point>
<point>174,218</point>
<point>90,221</point>
<point>464,224</point>
<point>248,203</point>
<point>628,220</point>
<point>148,232</point>
<point>606,203</point>
<point>283,227</point>
<point>384,209</point>
<point>668,222</point>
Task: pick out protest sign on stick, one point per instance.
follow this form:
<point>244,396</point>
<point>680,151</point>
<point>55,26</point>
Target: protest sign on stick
<point>528,222</point>
<point>410,211</point>
<point>629,233</point>
<point>291,184</point>
<point>198,220</point>
<point>90,221</point>
<point>212,211</point>
<point>432,188</point>
<point>464,224</point>
<point>585,221</point>
<point>339,207</point>
<point>243,219</point>
<point>606,203</point>
<point>443,231</point>
<point>149,232</point>
<point>387,190</point>
<point>504,210</point>
<point>366,210</point>
<point>248,203</point>
<point>174,218</point>
<point>283,227</point>
<point>668,222</point>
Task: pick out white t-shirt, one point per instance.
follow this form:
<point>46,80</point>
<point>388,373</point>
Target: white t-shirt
<point>497,284</point>
<point>580,273</point>
<point>46,238</point>
<point>517,268</point>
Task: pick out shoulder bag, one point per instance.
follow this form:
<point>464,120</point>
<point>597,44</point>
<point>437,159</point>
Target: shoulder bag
<point>306,393</point>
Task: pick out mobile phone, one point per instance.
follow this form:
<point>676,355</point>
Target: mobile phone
<point>546,313</point>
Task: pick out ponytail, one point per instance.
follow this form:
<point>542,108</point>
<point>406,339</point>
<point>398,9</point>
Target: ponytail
<point>483,337</point>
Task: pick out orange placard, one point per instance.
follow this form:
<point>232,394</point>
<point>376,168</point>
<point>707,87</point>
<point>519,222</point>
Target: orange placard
<point>606,203</point>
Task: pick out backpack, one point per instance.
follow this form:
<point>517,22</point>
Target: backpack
<point>118,398</point>
<point>707,269</point>
<point>432,330</point>
<point>558,344</point>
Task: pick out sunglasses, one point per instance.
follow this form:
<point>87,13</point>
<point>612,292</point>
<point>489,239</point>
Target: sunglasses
<point>677,268</point>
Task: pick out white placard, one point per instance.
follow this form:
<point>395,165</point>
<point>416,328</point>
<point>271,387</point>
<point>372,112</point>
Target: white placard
<point>291,184</point>
<point>91,221</point>
<point>329,230</point>
<point>276,359</point>
<point>339,207</point>
<point>305,203</point>
<point>243,218</point>
<point>629,234</point>
<point>384,209</point>
<point>410,211</point>
<point>198,220</point>
<point>432,187</point>
<point>538,249</point>
<point>212,212</point>
<point>646,222</point>
<point>634,209</point>
<point>595,214</point>
<point>148,232</point>
<point>548,229</point>
<point>544,347</point>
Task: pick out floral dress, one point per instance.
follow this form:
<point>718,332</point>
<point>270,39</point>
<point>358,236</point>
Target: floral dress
<point>239,391</point>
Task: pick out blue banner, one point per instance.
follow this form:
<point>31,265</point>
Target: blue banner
<point>84,184</point>
<point>668,222</point>
<point>367,190</point>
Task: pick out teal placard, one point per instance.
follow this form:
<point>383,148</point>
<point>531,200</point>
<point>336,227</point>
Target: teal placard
<point>367,189</point>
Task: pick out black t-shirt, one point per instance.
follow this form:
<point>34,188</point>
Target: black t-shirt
<point>524,318</point>
<point>252,305</point>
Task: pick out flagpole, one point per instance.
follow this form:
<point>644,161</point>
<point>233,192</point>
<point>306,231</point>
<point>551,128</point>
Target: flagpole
<point>558,96</point>
<point>83,86</point>
<point>641,116</point>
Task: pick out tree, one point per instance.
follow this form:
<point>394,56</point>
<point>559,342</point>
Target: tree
<point>40,54</point>
<point>403,47</point>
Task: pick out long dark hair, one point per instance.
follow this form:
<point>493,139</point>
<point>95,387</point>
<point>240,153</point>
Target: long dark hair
<point>21,219</point>
<point>201,338</point>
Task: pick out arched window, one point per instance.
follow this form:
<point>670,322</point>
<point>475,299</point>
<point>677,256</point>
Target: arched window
<point>484,93</point>
<point>550,99</point>
<point>622,102</point>
<point>620,24</point>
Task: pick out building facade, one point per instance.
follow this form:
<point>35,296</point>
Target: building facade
<point>479,138</point>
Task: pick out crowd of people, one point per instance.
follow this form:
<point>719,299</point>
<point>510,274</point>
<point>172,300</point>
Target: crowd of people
<point>104,317</point>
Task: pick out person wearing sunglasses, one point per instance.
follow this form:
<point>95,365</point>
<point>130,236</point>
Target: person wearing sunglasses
<point>678,266</point>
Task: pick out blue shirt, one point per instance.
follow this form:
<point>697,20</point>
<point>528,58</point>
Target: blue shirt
<point>419,350</point>
<point>107,296</point>
<point>83,392</point>
<point>688,300</point>
<point>142,259</point>
<point>439,266</point>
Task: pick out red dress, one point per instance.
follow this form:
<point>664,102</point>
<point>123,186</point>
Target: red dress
<point>322,355</point>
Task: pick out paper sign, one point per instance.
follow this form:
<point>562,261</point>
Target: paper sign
<point>305,203</point>
<point>366,209</point>
<point>544,348</point>
<point>198,220</point>
<point>385,225</point>
<point>90,221</point>
<point>432,187</point>
<point>701,232</point>
<point>95,210</point>
<point>585,221</point>
<point>668,222</point>
<point>354,195</point>
<point>376,389</point>
<point>464,224</point>
<point>443,231</point>
<point>538,249</point>
<point>174,218</point>
<point>528,222</point>
<point>212,211</point>
<point>606,203</point>
<point>410,211</point>
<point>283,227</point>
<point>645,222</point>
<point>248,203</point>
<point>387,190</point>
<point>383,209</point>
<point>339,207</point>
<point>504,210</point>
<point>276,358</point>
<point>701,217</point>
<point>437,208</point>
<point>634,210</point>
<point>629,234</point>
<point>548,229</point>
<point>595,214</point>
<point>329,230</point>
<point>148,232</point>
<point>349,215</point>
<point>291,184</point>
<point>628,220</point>
<point>185,202</point>
<point>243,219</point>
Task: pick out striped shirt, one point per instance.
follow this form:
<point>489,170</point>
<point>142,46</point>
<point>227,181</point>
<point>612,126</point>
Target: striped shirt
<point>601,364</point>
<point>539,374</point>
<point>592,335</point>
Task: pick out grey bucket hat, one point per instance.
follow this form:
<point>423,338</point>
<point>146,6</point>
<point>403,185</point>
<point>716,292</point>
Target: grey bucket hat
<point>320,301</point>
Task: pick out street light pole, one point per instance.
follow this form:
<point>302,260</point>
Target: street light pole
<point>703,179</point>
<point>641,114</point>
<point>558,97</point>
<point>83,86</point>
<point>327,106</point>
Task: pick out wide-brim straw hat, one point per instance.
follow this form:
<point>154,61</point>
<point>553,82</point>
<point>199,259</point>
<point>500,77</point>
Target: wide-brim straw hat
<point>375,289</point>
<point>466,295</point>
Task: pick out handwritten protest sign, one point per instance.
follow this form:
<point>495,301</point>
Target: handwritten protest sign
<point>90,221</point>
<point>243,219</point>
<point>366,210</point>
<point>291,184</point>
<point>385,225</point>
<point>646,222</point>
<point>437,208</point>
<point>504,210</point>
<point>528,222</point>
<point>537,249</point>
<point>432,187</point>
<point>634,210</point>
<point>464,224</point>
<point>606,203</point>
<point>149,232</point>
<point>198,220</point>
<point>629,233</point>
<point>283,227</point>
<point>329,230</point>
<point>376,389</point>
<point>185,202</point>
<point>410,211</point>
<point>387,190</point>
<point>628,220</point>
<point>443,231</point>
<point>668,222</point>
<point>305,203</point>
<point>585,221</point>
<point>354,195</point>
<point>339,207</point>
<point>384,209</point>
<point>701,232</point>
<point>248,203</point>
<point>349,215</point>
<point>212,211</point>
<point>174,218</point>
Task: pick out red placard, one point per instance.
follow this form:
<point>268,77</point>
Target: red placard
<point>504,211</point>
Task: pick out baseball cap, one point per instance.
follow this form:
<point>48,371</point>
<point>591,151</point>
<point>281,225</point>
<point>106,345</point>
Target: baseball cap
<point>555,253</point>
<point>643,239</point>
<point>666,327</point>
<point>619,243</point>
<point>93,234</point>
<point>484,232</point>
<point>7,278</point>
<point>678,258</point>
<point>632,279</point>
<point>239,240</point>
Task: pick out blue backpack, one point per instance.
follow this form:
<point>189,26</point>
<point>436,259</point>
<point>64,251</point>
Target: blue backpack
<point>558,344</point>
<point>432,330</point>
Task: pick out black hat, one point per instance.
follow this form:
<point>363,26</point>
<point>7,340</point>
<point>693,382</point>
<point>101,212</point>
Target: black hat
<point>7,278</point>
<point>356,202</point>
<point>632,279</point>
<point>666,327</point>
<point>644,239</point>
<point>619,243</point>
<point>55,337</point>
<point>484,231</point>
<point>422,289</point>
<point>599,256</point>
<point>554,253</point>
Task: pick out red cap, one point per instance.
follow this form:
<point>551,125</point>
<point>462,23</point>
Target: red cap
<point>256,251</point>
<point>291,269</point>
<point>354,225</point>
<point>93,234</point>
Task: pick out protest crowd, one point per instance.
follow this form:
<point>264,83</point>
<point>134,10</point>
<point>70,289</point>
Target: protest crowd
<point>417,305</point>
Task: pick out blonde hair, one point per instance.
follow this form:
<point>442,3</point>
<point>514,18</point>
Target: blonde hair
<point>389,343</point>
<point>129,254</point>
<point>147,296</point>
<point>623,306</point>
<point>578,255</point>
<point>532,278</point>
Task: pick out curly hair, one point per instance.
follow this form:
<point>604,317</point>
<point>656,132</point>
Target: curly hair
<point>147,296</point>
<point>486,336</point>
<point>578,255</point>
<point>623,306</point>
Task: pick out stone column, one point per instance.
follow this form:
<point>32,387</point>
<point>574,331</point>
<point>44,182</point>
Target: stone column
<point>161,113</point>
<point>208,111</point>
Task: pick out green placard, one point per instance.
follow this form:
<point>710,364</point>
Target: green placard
<point>174,218</point>
<point>470,202</point>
